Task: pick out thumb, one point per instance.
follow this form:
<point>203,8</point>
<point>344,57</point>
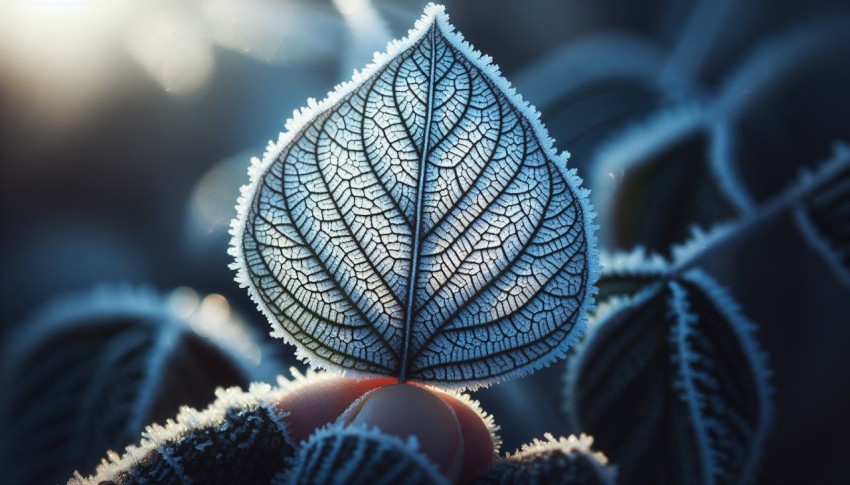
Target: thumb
<point>404,410</point>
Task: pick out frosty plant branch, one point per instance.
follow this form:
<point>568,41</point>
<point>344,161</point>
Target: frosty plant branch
<point>791,199</point>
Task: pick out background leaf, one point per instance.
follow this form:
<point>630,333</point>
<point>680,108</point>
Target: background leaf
<point>673,386</point>
<point>87,373</point>
<point>566,460</point>
<point>417,223</point>
<point>360,457</point>
<point>242,437</point>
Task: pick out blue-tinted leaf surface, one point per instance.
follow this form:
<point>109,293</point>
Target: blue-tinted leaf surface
<point>357,456</point>
<point>824,215</point>
<point>566,461</point>
<point>673,386</point>
<point>417,223</point>
<point>242,437</point>
<point>88,372</point>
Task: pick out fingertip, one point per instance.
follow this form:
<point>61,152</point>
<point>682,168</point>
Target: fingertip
<point>404,410</point>
<point>478,446</point>
<point>322,402</point>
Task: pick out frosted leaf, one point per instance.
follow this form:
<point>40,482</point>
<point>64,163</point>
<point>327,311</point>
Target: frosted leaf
<point>566,460</point>
<point>673,386</point>
<point>88,372</point>
<point>356,455</point>
<point>418,223</point>
<point>241,438</point>
<point>823,216</point>
<point>657,179</point>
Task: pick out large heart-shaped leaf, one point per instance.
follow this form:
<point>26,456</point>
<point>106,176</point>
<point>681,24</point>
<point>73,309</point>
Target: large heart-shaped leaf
<point>418,223</point>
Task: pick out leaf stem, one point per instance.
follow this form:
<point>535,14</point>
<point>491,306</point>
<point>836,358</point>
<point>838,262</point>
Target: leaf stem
<point>764,215</point>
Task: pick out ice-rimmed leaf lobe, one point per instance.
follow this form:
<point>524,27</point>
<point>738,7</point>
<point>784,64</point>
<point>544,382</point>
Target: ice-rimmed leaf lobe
<point>418,223</point>
<point>673,385</point>
<point>242,437</point>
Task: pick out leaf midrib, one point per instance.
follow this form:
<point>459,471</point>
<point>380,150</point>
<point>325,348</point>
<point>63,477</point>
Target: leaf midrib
<point>417,213</point>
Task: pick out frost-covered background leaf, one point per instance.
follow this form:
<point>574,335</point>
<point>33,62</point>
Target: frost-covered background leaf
<point>566,460</point>
<point>240,438</point>
<point>673,386</point>
<point>418,223</point>
<point>656,180</point>
<point>824,215</point>
<point>359,456</point>
<point>88,372</point>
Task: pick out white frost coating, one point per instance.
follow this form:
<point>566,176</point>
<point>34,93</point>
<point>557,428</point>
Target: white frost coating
<point>367,32</point>
<point>566,445</point>
<point>89,309</point>
<point>155,436</point>
<point>300,381</point>
<point>597,329</point>
<point>698,313</point>
<point>155,335</point>
<point>297,126</point>
<point>745,330</point>
<point>532,458</point>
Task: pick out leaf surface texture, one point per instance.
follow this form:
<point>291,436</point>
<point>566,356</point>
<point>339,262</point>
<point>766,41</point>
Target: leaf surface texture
<point>673,386</point>
<point>417,223</point>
